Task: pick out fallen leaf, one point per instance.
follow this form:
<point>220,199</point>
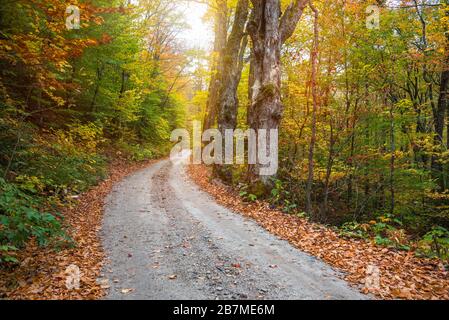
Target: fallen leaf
<point>126,291</point>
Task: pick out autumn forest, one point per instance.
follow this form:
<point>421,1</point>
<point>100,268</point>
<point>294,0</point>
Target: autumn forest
<point>359,91</point>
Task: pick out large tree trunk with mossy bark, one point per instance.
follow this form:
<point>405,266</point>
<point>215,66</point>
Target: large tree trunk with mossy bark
<point>268,31</point>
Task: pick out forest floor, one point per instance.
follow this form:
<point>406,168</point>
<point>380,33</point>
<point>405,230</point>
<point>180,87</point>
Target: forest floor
<point>401,274</point>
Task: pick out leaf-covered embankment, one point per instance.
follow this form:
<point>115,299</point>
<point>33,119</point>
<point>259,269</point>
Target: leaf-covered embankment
<point>402,274</point>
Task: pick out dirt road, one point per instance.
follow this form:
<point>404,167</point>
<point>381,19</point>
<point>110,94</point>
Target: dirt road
<point>166,239</point>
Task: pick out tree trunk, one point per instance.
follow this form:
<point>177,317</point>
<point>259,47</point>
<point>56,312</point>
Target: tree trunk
<point>392,158</point>
<point>221,26</point>
<point>268,31</point>
<point>314,57</point>
<point>232,70</point>
<point>330,162</point>
<point>437,167</point>
<point>439,119</point>
<point>124,77</point>
<point>230,79</point>
<point>100,70</point>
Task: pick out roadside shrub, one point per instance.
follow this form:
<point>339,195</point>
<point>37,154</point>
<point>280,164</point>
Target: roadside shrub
<point>40,170</point>
<point>385,231</point>
<point>435,244</point>
<point>21,220</point>
<point>140,151</point>
<point>62,162</point>
<point>354,229</point>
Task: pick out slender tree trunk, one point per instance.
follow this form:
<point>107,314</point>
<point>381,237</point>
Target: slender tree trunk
<point>392,159</point>
<point>124,77</point>
<point>437,168</point>
<point>439,119</point>
<point>330,162</point>
<point>309,207</point>
<point>123,83</point>
<point>447,126</point>
<point>100,70</point>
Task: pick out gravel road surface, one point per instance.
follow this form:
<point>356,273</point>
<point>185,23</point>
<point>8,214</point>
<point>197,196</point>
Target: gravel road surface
<point>166,239</point>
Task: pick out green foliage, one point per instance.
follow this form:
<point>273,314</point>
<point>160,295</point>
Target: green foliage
<point>5,254</point>
<point>245,193</point>
<point>22,219</point>
<point>139,152</point>
<point>248,196</point>
<point>289,207</point>
<point>353,229</point>
<point>251,197</point>
<point>384,231</point>
<point>277,191</point>
<point>435,243</point>
<point>280,196</point>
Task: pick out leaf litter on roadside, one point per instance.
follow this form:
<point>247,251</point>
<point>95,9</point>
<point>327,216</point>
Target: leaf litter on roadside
<point>41,276</point>
<point>402,275</point>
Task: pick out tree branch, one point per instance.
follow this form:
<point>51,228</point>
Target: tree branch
<point>290,18</point>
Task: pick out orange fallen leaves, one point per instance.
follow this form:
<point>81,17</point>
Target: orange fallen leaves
<point>402,274</point>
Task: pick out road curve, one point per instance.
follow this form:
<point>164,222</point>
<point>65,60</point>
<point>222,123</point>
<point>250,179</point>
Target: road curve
<point>166,239</point>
